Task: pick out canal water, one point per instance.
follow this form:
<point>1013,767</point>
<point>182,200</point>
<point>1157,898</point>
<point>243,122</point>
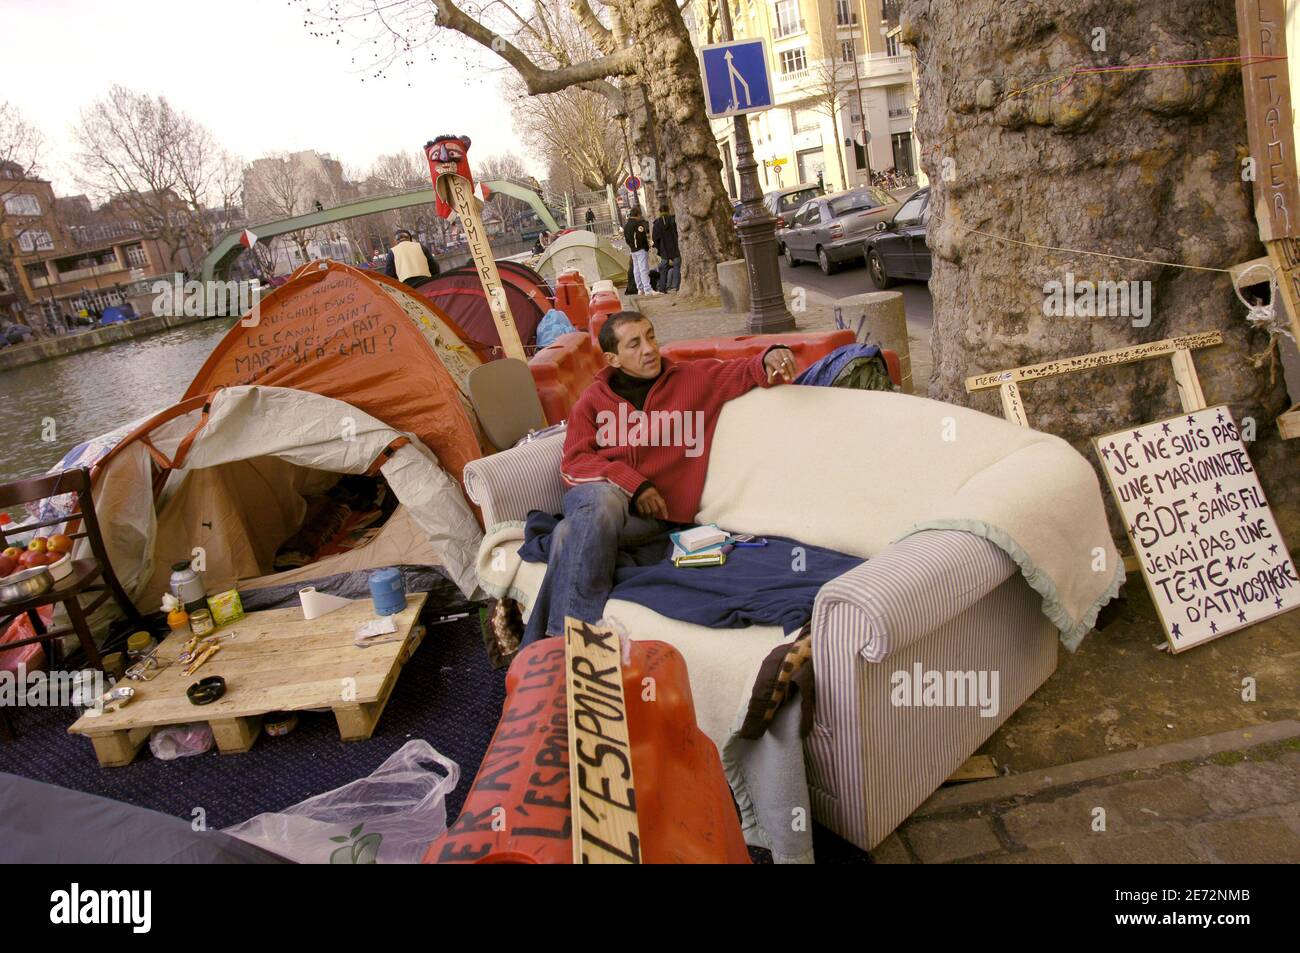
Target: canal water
<point>95,391</point>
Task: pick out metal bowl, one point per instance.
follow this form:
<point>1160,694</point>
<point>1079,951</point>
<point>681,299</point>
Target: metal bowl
<point>25,584</point>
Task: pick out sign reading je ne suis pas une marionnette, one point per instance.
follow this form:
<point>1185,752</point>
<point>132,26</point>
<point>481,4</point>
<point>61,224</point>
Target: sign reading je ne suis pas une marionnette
<point>1206,539</point>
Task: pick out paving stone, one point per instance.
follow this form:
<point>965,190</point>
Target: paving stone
<point>1165,845</point>
<point>1047,823</point>
<point>891,850</point>
<point>1155,801</point>
<point>1246,785</point>
<point>1045,855</point>
<point>1249,840</point>
<point>939,842</point>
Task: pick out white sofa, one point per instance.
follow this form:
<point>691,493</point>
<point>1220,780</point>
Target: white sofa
<point>946,599</point>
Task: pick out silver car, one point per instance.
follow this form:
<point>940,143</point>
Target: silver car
<point>830,230</point>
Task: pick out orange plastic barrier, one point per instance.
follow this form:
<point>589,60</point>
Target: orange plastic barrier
<point>562,371</point>
<point>572,298</point>
<point>603,304</point>
<point>517,810</point>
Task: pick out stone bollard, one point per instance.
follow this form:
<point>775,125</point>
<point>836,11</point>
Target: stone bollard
<point>878,318</point>
<point>733,284</point>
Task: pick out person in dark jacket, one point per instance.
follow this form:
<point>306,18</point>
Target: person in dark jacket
<point>637,235</point>
<point>590,219</point>
<point>664,236</point>
<point>409,261</point>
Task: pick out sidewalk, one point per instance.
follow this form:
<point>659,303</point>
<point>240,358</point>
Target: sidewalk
<point>1186,767</point>
<point>1218,799</point>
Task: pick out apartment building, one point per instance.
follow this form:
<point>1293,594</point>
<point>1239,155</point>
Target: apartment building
<point>845,103</point>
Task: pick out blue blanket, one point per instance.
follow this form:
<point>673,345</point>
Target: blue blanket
<point>824,372</point>
<point>774,584</point>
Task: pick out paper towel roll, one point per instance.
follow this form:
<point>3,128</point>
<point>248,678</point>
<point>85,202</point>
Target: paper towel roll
<point>316,604</point>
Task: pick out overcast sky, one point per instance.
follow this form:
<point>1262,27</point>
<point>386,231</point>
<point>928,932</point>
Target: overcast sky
<point>250,71</point>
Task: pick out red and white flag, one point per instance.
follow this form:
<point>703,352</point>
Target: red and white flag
<point>248,239</point>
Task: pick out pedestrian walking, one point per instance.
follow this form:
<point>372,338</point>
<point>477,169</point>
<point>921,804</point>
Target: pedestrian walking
<point>590,219</point>
<point>637,235</point>
<point>664,236</point>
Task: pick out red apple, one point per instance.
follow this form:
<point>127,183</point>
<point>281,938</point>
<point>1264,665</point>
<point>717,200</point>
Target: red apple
<point>7,565</point>
<point>39,544</point>
<point>52,557</point>
<point>60,543</point>
<point>31,558</point>
<point>13,552</point>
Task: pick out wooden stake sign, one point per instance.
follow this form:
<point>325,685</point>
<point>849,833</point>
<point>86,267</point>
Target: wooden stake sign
<point>453,187</point>
<point>602,788</point>
<point>1205,538</point>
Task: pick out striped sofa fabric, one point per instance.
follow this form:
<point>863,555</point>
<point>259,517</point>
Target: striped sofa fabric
<point>937,601</point>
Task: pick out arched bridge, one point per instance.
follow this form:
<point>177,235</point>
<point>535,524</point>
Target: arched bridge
<point>216,264</point>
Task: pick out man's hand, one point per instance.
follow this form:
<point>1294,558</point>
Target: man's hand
<point>780,365</point>
<point>651,505</point>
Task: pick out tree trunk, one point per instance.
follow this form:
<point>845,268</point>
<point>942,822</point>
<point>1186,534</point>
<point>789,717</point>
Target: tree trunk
<point>1143,164</point>
<point>692,173</point>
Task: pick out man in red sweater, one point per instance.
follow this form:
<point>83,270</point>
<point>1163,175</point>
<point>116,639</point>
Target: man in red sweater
<point>635,458</point>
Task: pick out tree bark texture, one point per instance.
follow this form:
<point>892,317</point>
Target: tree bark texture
<point>1146,164</point>
<point>692,172</point>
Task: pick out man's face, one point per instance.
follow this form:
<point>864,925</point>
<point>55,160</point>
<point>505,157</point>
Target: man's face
<point>638,351</point>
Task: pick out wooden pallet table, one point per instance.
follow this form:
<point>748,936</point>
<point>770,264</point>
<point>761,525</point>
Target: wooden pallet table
<point>275,661</point>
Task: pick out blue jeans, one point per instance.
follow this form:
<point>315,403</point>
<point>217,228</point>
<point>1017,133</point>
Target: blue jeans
<point>583,553</point>
<point>670,274</point>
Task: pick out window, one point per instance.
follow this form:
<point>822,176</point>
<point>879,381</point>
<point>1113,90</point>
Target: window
<point>844,16</point>
<point>910,213</point>
<point>34,239</point>
<point>135,256</point>
<point>863,201</point>
<point>796,199</point>
<point>22,205</point>
<point>846,51</point>
<point>891,45</point>
<point>859,156</point>
<point>787,18</point>
<point>793,61</point>
<point>897,96</point>
<point>902,142</point>
<point>806,120</point>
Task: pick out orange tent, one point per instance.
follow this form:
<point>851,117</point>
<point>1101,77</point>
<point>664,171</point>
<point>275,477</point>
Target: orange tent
<point>362,338</point>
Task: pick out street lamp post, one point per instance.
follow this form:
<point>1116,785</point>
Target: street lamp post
<point>768,313</point>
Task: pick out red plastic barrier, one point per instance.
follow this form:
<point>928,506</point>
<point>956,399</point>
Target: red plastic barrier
<point>517,810</point>
<point>603,304</point>
<point>572,298</point>
<point>563,370</point>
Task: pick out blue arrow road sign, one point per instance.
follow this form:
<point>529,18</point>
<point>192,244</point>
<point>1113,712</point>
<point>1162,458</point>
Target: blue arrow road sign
<point>736,79</point>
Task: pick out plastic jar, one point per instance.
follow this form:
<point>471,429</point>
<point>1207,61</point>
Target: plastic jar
<point>140,644</point>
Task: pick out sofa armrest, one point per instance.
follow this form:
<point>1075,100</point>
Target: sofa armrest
<point>907,591</point>
<point>509,484</point>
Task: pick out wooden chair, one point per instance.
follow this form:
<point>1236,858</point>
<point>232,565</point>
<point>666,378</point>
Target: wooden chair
<point>93,575</point>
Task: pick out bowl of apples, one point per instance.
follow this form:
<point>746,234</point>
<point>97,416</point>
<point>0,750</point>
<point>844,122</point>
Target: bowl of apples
<point>53,553</point>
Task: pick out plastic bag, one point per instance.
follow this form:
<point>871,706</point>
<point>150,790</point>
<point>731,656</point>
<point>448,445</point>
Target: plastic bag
<point>389,817</point>
<point>180,741</point>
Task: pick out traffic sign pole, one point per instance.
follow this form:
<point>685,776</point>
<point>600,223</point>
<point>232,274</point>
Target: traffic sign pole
<point>768,313</point>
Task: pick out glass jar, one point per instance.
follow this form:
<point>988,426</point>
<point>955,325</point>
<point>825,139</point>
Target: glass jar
<point>139,645</point>
<point>201,622</point>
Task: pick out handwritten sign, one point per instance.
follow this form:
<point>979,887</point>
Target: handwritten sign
<point>1261,27</point>
<point>603,792</point>
<point>1208,545</point>
<point>332,318</point>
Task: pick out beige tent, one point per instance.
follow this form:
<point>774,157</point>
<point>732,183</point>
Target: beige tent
<point>587,253</point>
<point>240,467</point>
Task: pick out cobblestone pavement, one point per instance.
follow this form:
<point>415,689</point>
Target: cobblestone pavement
<point>1236,806</point>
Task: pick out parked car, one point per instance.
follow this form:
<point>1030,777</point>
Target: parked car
<point>783,203</point>
<point>831,230</point>
<point>898,249</point>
